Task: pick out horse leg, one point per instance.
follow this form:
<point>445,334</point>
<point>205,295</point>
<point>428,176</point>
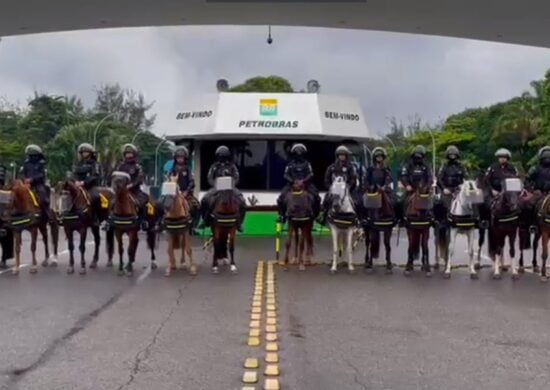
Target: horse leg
<point>69,233</point>
<point>216,243</point>
<point>110,245</point>
<point>368,260</point>
<point>470,235</point>
<point>34,238</point>
<point>186,246</point>
<point>411,251</point>
<point>498,259</point>
<point>288,244</point>
<point>480,242</point>
<point>132,250</point>
<point>349,249</point>
<point>536,240</point>
<point>296,237</point>
<point>44,233</point>
<point>82,247</point>
<point>54,233</point>
<point>120,245</point>
<point>151,238</point>
<point>426,252</point>
<point>231,238</point>
<point>335,248</point>
<point>450,254</point>
<point>171,256</point>
<point>545,236</point>
<point>17,252</point>
<point>513,263</point>
<point>309,236</point>
<point>387,249</point>
<point>97,244</point>
<point>301,240</point>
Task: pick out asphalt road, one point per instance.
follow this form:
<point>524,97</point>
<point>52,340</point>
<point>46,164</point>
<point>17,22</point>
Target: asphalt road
<point>102,331</point>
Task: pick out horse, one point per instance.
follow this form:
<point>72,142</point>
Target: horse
<point>177,222</point>
<point>225,218</point>
<point>543,213</point>
<point>418,220</point>
<point>527,225</point>
<point>379,219</point>
<point>504,224</point>
<point>300,225</point>
<point>77,215</point>
<point>23,212</point>
<point>341,220</point>
<point>463,219</point>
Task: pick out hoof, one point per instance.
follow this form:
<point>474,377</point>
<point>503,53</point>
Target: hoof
<point>82,271</point>
<point>477,266</point>
<point>407,272</point>
<point>447,275</point>
<point>369,270</point>
<point>429,274</point>
<point>109,263</point>
<point>193,270</point>
<point>93,265</point>
<point>536,269</point>
<point>215,270</point>
<point>301,267</point>
<point>33,269</point>
<point>351,270</point>
<point>388,271</point>
<point>154,265</point>
<point>15,271</point>
<point>333,271</point>
<point>436,266</point>
<point>521,270</point>
<point>70,271</point>
<point>474,276</point>
<point>45,263</point>
<point>497,276</point>
<point>53,261</point>
<point>129,273</point>
<point>234,269</point>
<point>225,261</point>
<point>168,272</point>
<point>515,276</point>
<point>544,279</point>
<point>120,272</point>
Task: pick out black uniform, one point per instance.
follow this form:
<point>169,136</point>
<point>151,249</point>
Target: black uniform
<point>299,169</point>
<point>135,171</point>
<point>416,173</point>
<point>220,169</point>
<point>186,183</point>
<point>3,174</point>
<point>344,169</point>
<point>34,169</point>
<point>539,178</point>
<point>88,171</point>
<point>497,173</point>
<point>451,175</point>
<point>379,177</point>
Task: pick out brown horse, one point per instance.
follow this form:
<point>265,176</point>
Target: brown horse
<point>378,218</point>
<point>300,225</point>
<point>177,223</point>
<point>504,224</point>
<point>225,218</point>
<point>544,229</point>
<point>418,220</point>
<point>23,212</point>
<point>77,215</point>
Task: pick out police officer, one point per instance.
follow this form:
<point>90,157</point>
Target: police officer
<point>131,167</point>
<point>223,166</point>
<point>184,177</point>
<point>298,169</point>
<point>416,172</point>
<point>87,173</point>
<point>34,173</point>
<point>378,175</point>
<point>452,174</point>
<point>499,171</point>
<point>539,176</point>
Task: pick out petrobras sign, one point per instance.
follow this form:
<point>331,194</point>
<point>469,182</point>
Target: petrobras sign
<point>268,107</point>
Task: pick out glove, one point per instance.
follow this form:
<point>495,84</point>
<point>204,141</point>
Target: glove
<point>447,191</point>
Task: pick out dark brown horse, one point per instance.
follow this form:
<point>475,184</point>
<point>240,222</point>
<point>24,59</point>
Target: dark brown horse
<point>504,224</point>
<point>418,220</point>
<point>23,212</point>
<point>77,215</point>
<point>300,225</point>
<point>378,219</point>
<point>225,218</point>
<point>544,229</point>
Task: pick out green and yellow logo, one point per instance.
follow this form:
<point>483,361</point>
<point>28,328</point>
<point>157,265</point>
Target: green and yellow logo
<point>268,107</point>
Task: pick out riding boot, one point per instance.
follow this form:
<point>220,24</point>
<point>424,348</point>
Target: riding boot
<point>144,224</point>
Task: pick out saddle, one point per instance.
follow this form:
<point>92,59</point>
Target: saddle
<point>225,219</point>
<point>176,225</point>
<point>463,221</point>
<point>343,220</point>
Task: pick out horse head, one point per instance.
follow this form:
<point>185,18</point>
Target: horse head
<point>174,203</point>
<point>119,182</point>
<point>340,199</point>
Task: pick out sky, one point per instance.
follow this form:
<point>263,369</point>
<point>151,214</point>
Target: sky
<point>392,75</point>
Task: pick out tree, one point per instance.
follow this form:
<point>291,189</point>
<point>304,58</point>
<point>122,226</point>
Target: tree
<point>264,84</point>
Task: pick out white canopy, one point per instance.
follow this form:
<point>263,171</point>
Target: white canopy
<point>269,115</point>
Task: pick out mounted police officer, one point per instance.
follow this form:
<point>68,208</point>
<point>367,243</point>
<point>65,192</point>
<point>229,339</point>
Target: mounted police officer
<point>184,177</point>
<point>298,169</point>
<point>223,166</point>
<point>539,176</point>
<point>130,165</point>
<point>416,172</point>
<point>34,173</point>
<point>87,174</point>
<point>379,175</point>
<point>499,171</point>
<point>341,167</point>
<point>452,174</point>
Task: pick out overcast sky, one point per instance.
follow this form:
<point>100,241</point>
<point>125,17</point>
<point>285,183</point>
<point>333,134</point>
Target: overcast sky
<point>391,74</point>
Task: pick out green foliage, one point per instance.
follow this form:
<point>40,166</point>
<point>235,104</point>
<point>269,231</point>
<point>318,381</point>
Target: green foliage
<point>264,84</point>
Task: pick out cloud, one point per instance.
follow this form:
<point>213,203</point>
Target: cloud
<point>391,74</point>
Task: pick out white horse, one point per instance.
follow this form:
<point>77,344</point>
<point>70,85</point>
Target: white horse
<point>464,222</point>
<point>341,220</point>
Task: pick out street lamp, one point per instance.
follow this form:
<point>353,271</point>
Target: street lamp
<point>99,125</point>
<point>140,131</point>
<point>162,142</point>
<point>13,167</point>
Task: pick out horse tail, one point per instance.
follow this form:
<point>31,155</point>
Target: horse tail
<point>151,238</point>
